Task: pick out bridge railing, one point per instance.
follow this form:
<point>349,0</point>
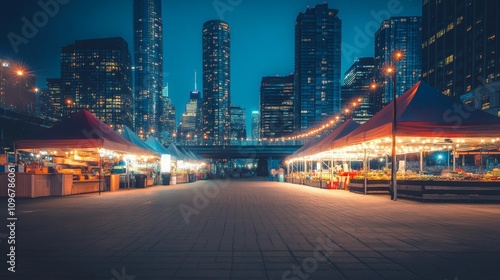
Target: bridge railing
<point>244,142</point>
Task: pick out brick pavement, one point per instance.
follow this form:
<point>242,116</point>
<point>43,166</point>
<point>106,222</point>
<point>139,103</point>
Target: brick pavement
<point>247,229</point>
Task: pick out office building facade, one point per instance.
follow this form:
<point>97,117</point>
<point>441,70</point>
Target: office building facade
<point>168,120</point>
<point>356,92</point>
<point>238,124</point>
<point>317,66</point>
<point>461,51</point>
<point>402,34</point>
<point>96,76</point>
<point>255,125</point>
<point>148,63</point>
<point>216,41</point>
<point>277,106</point>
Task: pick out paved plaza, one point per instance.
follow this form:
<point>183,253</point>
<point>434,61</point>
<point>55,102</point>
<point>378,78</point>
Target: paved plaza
<point>250,229</point>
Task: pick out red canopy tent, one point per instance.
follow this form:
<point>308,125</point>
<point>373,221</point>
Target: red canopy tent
<point>422,111</point>
<point>324,143</point>
<point>81,130</point>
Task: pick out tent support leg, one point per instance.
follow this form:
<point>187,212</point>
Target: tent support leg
<point>365,167</point>
<point>421,161</point>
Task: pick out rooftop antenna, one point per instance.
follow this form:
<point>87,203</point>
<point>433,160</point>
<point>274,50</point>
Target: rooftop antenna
<point>195,85</point>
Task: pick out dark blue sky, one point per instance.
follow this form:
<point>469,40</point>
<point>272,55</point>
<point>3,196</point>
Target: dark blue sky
<point>262,36</point>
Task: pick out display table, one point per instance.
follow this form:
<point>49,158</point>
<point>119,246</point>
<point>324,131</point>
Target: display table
<point>87,186</point>
<point>449,190</point>
<point>372,187</point>
<point>29,185</point>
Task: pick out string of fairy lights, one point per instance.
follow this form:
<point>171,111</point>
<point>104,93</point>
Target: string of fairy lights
<point>325,126</point>
<point>389,70</point>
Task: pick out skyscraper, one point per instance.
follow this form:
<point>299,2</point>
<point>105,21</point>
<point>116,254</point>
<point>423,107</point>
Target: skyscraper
<point>461,51</point>
<point>255,125</point>
<point>191,122</point>
<point>17,88</point>
<point>50,100</point>
<point>238,123</point>
<point>398,34</point>
<point>317,66</point>
<point>276,106</point>
<point>96,75</point>
<point>357,81</point>
<point>216,81</point>
<point>148,62</point>
<point>196,97</point>
<point>167,119</point>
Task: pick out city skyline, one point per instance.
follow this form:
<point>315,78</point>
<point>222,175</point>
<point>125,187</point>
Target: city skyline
<point>270,55</point>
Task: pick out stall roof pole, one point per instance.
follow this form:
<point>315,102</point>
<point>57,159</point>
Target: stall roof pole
<point>365,165</point>
<point>421,161</point>
<point>454,159</point>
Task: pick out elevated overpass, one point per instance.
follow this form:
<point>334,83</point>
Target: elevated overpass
<point>243,151</point>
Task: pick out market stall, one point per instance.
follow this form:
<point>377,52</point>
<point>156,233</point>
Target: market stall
<point>147,171</point>
<point>428,122</point>
<point>166,160</point>
<point>81,147</point>
<point>313,165</point>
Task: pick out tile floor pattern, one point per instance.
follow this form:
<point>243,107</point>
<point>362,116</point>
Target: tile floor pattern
<point>248,229</point>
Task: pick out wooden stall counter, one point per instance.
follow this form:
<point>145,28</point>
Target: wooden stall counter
<point>30,185</point>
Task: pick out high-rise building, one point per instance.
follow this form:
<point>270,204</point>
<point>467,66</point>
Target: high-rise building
<point>276,106</point>
<point>148,62</point>
<point>216,82</point>
<point>460,49</point>
<point>361,73</point>
<point>190,127</point>
<point>402,34</point>
<point>255,125</point>
<point>17,88</point>
<point>317,66</point>
<point>51,100</point>
<point>167,119</point>
<point>356,89</point>
<point>196,97</point>
<point>96,75</point>
<point>238,123</point>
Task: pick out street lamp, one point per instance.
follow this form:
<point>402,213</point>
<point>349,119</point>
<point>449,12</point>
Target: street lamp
<point>392,72</point>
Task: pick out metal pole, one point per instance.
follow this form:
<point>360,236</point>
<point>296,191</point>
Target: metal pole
<point>421,161</point>
<point>101,175</point>
<point>365,163</point>
<point>448,158</point>
<point>394,128</point>
<point>454,159</point>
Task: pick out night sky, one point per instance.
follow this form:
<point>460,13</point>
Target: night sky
<point>262,36</point>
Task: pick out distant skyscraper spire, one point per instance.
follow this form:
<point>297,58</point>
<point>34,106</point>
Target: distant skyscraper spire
<point>195,85</point>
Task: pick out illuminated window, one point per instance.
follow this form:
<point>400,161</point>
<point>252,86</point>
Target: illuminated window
<point>450,27</point>
<point>449,59</point>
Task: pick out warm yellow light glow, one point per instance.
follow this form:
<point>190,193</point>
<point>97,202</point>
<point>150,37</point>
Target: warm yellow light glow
<point>398,55</point>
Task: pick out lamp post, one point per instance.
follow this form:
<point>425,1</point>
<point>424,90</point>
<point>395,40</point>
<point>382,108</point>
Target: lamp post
<point>392,72</point>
